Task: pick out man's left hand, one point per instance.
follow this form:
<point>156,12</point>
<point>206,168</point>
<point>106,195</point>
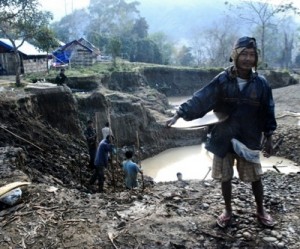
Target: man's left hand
<point>268,147</point>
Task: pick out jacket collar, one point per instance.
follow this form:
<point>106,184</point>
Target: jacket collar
<point>232,73</point>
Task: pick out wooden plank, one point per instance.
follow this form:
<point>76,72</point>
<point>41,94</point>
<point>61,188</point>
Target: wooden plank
<point>8,187</point>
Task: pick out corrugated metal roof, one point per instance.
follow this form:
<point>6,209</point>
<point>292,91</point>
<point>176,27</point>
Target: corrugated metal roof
<point>26,48</point>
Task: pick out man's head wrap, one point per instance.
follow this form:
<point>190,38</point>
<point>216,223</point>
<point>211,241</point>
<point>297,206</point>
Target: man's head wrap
<point>241,44</point>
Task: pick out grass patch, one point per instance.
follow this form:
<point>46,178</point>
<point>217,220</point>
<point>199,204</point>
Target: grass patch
<point>102,68</point>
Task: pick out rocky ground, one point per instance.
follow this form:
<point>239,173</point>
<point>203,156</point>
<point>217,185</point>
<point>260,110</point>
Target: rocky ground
<point>169,215</point>
<point>58,211</point>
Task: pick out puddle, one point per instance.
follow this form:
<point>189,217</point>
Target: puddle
<point>194,162</point>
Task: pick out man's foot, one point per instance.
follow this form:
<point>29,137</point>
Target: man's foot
<point>224,219</point>
<point>265,219</point>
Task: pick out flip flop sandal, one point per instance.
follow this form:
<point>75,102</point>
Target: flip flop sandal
<point>224,220</point>
<point>266,220</point>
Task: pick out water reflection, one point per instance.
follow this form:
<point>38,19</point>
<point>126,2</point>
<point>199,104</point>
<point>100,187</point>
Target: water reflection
<point>194,162</point>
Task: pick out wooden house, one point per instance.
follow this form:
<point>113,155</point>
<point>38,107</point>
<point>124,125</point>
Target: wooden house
<point>32,59</point>
<point>76,53</point>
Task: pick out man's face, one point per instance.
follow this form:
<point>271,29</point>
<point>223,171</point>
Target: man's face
<point>246,59</point>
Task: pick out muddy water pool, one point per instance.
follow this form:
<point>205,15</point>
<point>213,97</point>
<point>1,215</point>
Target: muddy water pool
<point>194,161</point>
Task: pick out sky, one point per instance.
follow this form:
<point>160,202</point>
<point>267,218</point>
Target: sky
<point>60,8</point>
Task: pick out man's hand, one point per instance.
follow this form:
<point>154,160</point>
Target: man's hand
<point>268,147</point>
<point>172,121</point>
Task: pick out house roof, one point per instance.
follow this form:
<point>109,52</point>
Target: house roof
<point>81,42</point>
<point>26,48</point>
<point>89,45</point>
<point>71,44</point>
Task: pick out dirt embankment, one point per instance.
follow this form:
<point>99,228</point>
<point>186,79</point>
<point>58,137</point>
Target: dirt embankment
<point>287,111</point>
<point>57,210</point>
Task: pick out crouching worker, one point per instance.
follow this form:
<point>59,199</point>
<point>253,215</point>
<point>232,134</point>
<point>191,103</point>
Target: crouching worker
<point>131,170</point>
<point>101,161</point>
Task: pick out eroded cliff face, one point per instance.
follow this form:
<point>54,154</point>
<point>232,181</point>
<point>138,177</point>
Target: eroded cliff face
<point>44,126</point>
<point>54,106</point>
<point>170,81</point>
<point>136,102</point>
<point>140,115</point>
<point>178,82</point>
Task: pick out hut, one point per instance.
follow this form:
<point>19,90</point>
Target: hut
<point>32,59</point>
<point>76,53</point>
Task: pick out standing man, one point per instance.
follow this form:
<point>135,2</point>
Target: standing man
<point>91,139</point>
<point>101,161</point>
<point>247,99</point>
<point>106,130</point>
<point>131,170</point>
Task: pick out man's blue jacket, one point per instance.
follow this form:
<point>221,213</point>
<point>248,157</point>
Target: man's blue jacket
<point>101,158</point>
<point>250,111</point>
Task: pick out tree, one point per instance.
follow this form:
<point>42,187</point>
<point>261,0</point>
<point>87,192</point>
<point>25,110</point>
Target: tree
<point>165,46</point>
<point>72,27</point>
<point>99,40</point>
<point>140,28</point>
<point>112,17</point>
<point>46,40</point>
<point>212,46</point>
<point>185,57</point>
<point>145,50</point>
<point>261,14</point>
<point>114,48</point>
<point>287,39</point>
<point>21,20</point>
<point>297,60</point>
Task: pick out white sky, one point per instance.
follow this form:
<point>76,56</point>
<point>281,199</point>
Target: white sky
<point>60,8</point>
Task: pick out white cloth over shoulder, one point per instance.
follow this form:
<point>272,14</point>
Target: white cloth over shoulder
<point>243,151</point>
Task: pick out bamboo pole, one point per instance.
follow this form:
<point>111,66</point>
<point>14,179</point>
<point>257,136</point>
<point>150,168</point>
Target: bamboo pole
<point>97,127</point>
<point>111,163</point>
<point>2,127</point>
<point>139,157</point>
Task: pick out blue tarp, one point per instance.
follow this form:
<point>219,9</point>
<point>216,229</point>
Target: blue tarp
<point>62,56</point>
